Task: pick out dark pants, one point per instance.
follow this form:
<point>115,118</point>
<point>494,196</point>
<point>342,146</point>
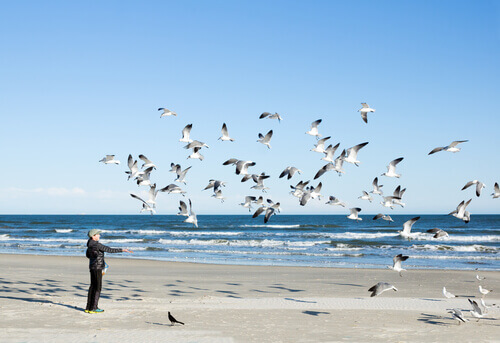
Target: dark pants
<point>94,289</point>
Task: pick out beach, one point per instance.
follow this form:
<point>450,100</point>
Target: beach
<point>42,299</point>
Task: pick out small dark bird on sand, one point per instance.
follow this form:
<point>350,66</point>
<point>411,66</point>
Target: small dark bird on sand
<point>173,320</point>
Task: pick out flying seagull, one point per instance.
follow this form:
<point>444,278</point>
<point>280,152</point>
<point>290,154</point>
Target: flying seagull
<point>364,111</point>
<point>380,288</point>
<point>366,196</point>
<point>391,168</point>
<point>451,148</point>
<point>183,211</point>
<point>397,260</point>
<point>147,163</point>
<point>496,193</point>
<point>109,159</point>
<point>173,320</point>
<point>196,154</point>
<point>406,232</point>
<point>145,205</point>
<point>186,131</point>
<point>241,166</point>
<point>173,189</point>
<point>266,139</point>
<point>461,212</point>
<point>271,116</point>
<point>438,233</point>
<point>476,310</point>
<point>479,186</point>
<point>195,144</point>
<point>314,129</point>
<point>320,145</point>
<point>192,219</point>
<point>225,134</point>
<point>143,179</point>
<point>329,152</point>
<point>334,201</point>
<point>352,154</point>
<point>248,202</point>
<point>181,175</point>
<point>289,172</point>
<point>166,112</point>
<point>134,169</point>
<point>384,217</point>
<point>389,201</point>
<point>354,214</point>
<point>376,187</point>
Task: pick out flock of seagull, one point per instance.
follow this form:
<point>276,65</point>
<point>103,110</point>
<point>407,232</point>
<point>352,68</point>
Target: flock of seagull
<point>302,190</point>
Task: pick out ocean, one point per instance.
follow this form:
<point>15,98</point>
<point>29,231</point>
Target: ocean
<point>286,240</point>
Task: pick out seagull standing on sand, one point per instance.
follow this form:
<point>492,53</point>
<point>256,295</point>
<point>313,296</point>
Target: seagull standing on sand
<point>225,134</point>
<point>109,159</point>
<point>266,139</point>
<point>380,288</point>
<point>166,112</point>
<point>397,260</point>
<point>364,111</point>
<point>173,320</point>
<point>451,148</point>
<point>314,129</point>
<point>391,168</point>
<point>352,154</point>
<point>496,193</point>
<point>354,214</point>
<point>186,131</point>
<point>479,186</point>
<point>458,315</point>
<point>484,291</point>
<point>479,278</point>
<point>447,294</point>
<point>406,232</point>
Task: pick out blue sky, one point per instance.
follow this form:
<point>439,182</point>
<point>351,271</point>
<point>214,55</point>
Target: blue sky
<point>84,79</point>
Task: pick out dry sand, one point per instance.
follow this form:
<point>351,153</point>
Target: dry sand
<point>42,299</point>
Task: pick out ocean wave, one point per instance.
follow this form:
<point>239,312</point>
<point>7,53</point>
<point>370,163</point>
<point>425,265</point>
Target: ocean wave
<point>459,248</point>
<point>63,230</point>
<point>457,238</point>
<point>36,239</point>
<point>243,243</point>
<point>350,235</point>
<point>204,233</point>
<point>273,226</point>
<point>242,252</point>
<point>442,257</point>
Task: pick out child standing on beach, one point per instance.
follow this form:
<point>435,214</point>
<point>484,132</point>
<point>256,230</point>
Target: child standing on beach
<point>95,254</point>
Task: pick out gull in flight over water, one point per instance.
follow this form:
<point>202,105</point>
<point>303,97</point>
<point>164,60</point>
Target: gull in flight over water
<point>271,116</point>
<point>320,145</point>
<point>181,175</point>
<point>166,112</point>
<point>298,190</point>
<point>451,148</point>
<point>364,111</point>
<point>389,201</point>
<point>496,193</point>
<point>145,205</point>
<point>134,169</point>
<point>397,260</point>
<point>248,202</point>
<point>152,195</point>
<point>183,210</point>
<point>448,294</point>
<point>329,152</point>
<point>241,166</point>
<point>266,139</point>
<point>354,214</point>
<point>218,195</point>
<point>384,217</point>
<point>225,134</point>
<point>366,196</point>
<point>195,144</point>
<point>143,179</point>
<point>380,288</point>
<point>438,233</point>
<point>192,219</point>
<point>479,186</point>
<point>461,212</point>
<point>314,129</point>
<point>334,201</point>
<point>406,232</point>
<point>289,172</point>
<point>376,187</point>
<point>215,184</point>
<point>397,195</point>
<point>352,154</point>
<point>173,189</point>
<point>196,154</point>
<point>310,193</point>
<point>391,168</point>
<point>147,163</point>
<point>186,131</point>
<point>109,159</point>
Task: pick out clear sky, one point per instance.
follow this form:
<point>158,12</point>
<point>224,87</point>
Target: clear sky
<point>82,79</point>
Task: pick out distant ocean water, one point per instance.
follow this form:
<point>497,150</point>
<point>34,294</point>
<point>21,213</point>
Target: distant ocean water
<point>286,240</point>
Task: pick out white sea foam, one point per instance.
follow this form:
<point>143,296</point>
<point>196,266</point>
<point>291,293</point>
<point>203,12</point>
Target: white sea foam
<point>64,230</point>
<point>36,239</point>
<point>204,233</point>
<point>241,252</point>
<point>350,235</point>
<point>274,226</point>
<point>442,257</point>
<point>245,243</point>
<point>460,248</point>
<point>458,238</point>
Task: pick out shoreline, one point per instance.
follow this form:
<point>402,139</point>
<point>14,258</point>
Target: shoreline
<point>257,265</point>
<point>44,296</point>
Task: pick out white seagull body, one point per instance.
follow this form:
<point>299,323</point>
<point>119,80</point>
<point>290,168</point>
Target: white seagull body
<point>438,233</point>
<point>335,201</point>
<point>314,129</point>
<point>192,219</point>
<point>364,111</point>
<point>166,112</point>
<point>266,139</point>
<point>380,288</point>
<point>451,148</point>
<point>406,232</point>
<point>384,217</point>
<point>248,202</point>
<point>271,116</point>
<point>366,196</point>
<point>329,152</point>
<point>352,154</point>
<point>241,166</point>
<point>391,168</point>
<point>196,154</point>
<point>109,159</point>
<point>225,134</point>
<point>289,172</point>
<point>376,187</point>
<point>147,163</point>
<point>320,145</point>
<point>186,131</point>
<point>173,189</point>
<point>461,212</point>
<point>181,175</point>
<point>496,193</point>
<point>354,214</point>
<point>397,260</point>
<point>448,294</point>
<point>479,186</point>
<point>145,205</point>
